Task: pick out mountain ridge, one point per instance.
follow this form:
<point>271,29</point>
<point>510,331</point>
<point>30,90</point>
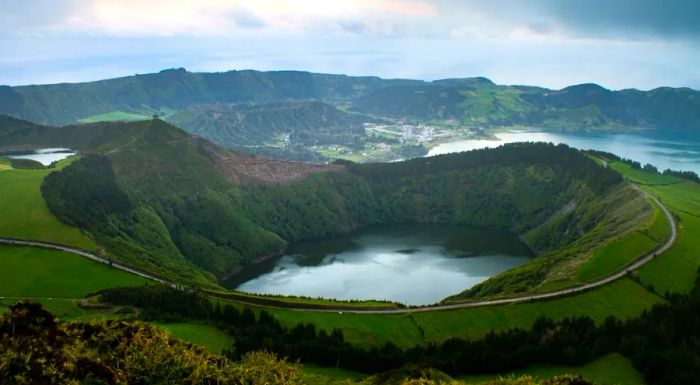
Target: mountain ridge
<point>470,101</point>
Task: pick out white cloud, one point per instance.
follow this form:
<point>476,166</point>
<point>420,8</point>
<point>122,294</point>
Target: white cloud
<point>229,17</point>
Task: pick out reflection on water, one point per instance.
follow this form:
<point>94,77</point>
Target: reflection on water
<point>412,264</point>
<point>674,152</point>
<point>46,156</point>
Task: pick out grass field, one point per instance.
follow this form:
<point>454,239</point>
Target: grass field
<point>676,269</point>
<point>612,256</point>
<point>55,278</point>
<point>25,214</point>
<point>206,336</point>
<point>612,369</point>
<point>623,299</point>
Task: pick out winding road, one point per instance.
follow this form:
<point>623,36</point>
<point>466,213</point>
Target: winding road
<point>272,302</point>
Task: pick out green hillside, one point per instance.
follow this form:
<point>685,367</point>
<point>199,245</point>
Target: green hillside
<point>176,89</point>
<point>185,208</point>
<point>585,107</point>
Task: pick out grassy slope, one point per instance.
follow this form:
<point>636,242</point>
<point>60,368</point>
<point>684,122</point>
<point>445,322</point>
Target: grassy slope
<point>207,336</point>
<point>612,369</point>
<point>675,269</point>
<point>55,278</point>
<point>24,212</point>
<point>612,256</point>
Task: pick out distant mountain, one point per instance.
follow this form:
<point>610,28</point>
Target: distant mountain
<point>193,98</point>
<point>581,107</point>
<point>177,89</point>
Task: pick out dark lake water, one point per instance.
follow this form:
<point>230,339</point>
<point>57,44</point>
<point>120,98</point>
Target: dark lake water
<point>412,264</point>
<point>676,152</point>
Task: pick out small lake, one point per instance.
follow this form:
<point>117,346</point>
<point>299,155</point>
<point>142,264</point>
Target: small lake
<point>674,152</point>
<point>412,264</point>
<point>45,156</point>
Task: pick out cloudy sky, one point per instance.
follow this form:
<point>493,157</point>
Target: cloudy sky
<point>553,43</point>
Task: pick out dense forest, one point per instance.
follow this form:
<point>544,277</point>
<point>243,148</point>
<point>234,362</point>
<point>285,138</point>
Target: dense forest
<point>663,343</point>
<point>175,212</point>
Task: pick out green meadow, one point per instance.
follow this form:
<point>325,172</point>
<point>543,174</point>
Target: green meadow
<point>25,214</point>
<point>55,278</point>
<point>612,256</point>
<point>200,334</point>
<point>676,269</point>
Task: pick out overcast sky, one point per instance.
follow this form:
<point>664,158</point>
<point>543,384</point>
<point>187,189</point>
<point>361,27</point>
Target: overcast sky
<point>554,43</point>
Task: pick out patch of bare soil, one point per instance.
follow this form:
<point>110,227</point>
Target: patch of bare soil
<point>243,168</point>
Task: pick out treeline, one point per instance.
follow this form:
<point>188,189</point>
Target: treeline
<point>509,154</point>
<point>26,164</point>
<point>663,343</point>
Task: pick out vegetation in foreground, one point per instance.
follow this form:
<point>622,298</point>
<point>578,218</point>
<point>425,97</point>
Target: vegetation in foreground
<point>35,348</point>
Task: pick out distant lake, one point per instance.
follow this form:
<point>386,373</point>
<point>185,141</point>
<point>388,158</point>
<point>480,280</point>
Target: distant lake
<point>411,264</point>
<point>674,152</point>
<point>45,156</point>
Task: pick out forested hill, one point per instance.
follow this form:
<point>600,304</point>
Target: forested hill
<point>188,209</point>
<point>583,107</point>
<point>469,102</point>
<point>176,89</point>
<point>248,125</point>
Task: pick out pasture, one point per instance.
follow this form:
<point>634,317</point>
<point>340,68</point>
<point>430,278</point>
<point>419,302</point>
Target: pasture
<point>24,214</point>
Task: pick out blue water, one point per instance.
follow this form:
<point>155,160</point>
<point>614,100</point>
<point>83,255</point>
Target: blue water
<point>45,156</point>
<point>676,153</point>
<point>413,264</point>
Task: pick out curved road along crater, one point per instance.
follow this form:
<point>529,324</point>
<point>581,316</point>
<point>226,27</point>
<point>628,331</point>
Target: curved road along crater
<point>272,302</point>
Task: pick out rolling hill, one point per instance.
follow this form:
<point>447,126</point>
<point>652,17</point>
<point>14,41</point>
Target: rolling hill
<point>470,102</point>
<point>158,198</point>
